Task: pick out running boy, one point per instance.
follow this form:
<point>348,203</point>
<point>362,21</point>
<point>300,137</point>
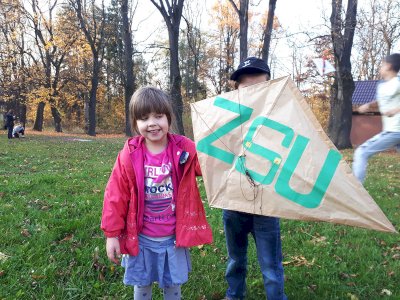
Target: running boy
<point>388,101</point>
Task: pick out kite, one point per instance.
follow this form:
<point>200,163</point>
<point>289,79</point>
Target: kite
<point>262,151</point>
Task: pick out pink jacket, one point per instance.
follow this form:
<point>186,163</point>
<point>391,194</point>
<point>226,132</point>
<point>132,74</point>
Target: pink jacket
<point>124,196</point>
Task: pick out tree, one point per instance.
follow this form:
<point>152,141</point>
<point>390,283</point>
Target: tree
<point>13,61</point>
<point>92,24</point>
<point>221,50</point>
<point>171,11</point>
<point>192,50</point>
<point>378,29</point>
<point>52,50</point>
<point>268,30</point>
<point>342,33</point>
<point>242,12</point>
<point>129,84</point>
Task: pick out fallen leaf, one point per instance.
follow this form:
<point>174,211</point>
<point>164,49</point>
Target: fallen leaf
<point>3,256</point>
<point>386,292</point>
<point>396,256</point>
<point>101,276</point>
<point>37,276</point>
<point>344,275</point>
<point>319,240</point>
<point>352,296</point>
<point>299,261</point>
<point>351,283</point>
<point>337,258</point>
<point>25,233</point>
<point>67,238</point>
<point>312,287</point>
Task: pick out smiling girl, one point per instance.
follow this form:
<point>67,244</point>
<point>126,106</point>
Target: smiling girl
<point>152,207</point>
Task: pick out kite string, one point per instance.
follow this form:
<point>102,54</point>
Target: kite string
<point>250,180</point>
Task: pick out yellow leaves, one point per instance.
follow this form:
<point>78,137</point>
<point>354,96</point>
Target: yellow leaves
<point>225,15</point>
<point>49,45</point>
<point>352,296</point>
<point>3,257</point>
<point>320,107</point>
<point>298,261</point>
<point>319,240</point>
<point>202,250</point>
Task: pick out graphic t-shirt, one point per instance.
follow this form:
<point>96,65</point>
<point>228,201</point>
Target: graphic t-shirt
<point>159,205</point>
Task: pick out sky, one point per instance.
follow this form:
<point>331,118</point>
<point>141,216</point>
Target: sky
<point>295,16</point>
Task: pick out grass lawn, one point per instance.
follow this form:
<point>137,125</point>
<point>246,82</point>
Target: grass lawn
<point>51,193</point>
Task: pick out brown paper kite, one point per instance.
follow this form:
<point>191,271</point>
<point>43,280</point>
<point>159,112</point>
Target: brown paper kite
<point>262,151</point>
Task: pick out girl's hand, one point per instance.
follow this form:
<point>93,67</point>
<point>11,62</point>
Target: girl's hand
<point>113,250</point>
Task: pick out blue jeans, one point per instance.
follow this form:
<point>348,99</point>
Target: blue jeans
<point>266,233</point>
<point>378,143</point>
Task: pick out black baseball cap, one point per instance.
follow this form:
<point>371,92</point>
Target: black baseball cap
<point>251,65</point>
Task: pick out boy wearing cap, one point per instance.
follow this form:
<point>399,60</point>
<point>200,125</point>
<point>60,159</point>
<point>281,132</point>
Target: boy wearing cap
<point>238,225</point>
<point>388,102</point>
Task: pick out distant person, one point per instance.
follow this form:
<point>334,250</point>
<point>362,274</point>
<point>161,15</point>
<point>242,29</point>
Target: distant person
<point>264,229</point>
<point>152,207</point>
<point>388,102</point>
<point>18,131</point>
<point>10,123</point>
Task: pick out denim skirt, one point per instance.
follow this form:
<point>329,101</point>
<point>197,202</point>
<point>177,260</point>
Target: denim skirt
<point>157,261</point>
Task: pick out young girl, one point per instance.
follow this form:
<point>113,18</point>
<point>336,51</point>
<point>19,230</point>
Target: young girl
<point>152,207</point>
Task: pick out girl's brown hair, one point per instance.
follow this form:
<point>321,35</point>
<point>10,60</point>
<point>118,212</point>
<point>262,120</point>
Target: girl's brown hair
<point>148,100</point>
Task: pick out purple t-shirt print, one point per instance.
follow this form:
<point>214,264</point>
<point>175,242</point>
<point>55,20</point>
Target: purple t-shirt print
<point>159,205</point>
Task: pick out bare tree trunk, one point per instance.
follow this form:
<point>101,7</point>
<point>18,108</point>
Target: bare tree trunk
<point>129,85</point>
<point>172,16</point>
<point>268,30</point>
<point>176,80</point>
<point>242,12</point>
<point>342,91</point>
<point>95,37</point>
<point>57,119</point>
<point>92,97</point>
<point>38,125</point>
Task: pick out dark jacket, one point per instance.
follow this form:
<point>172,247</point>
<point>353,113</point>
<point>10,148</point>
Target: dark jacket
<point>9,120</point>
